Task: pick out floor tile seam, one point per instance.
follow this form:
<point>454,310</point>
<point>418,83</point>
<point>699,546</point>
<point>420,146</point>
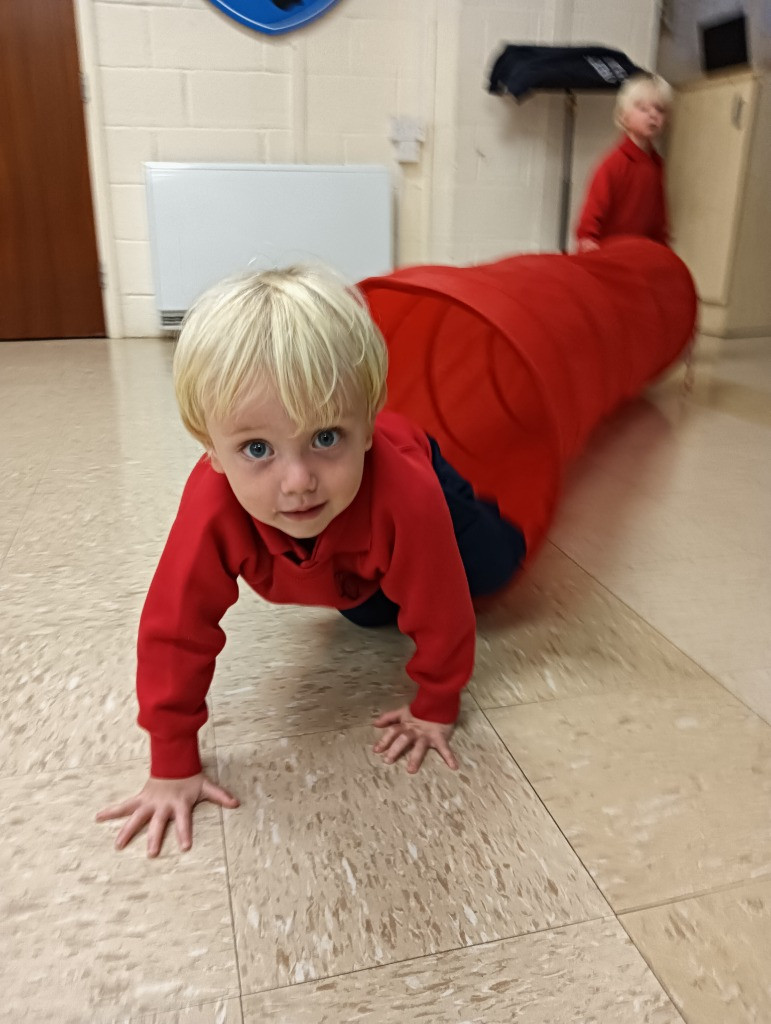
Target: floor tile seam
<point>551,817</point>
<point>725,887</point>
<point>616,691</point>
<point>711,890</point>
<point>227,745</point>
<point>662,983</point>
<point>602,692</point>
<point>212,749</point>
<point>327,977</point>
<point>516,937</point>
<point>231,907</point>
<point>662,635</point>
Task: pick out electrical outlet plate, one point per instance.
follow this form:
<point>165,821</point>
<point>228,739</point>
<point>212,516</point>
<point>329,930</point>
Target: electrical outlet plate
<point>407,134</point>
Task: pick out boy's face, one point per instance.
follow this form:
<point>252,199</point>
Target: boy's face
<point>295,482</point>
<point>644,119</point>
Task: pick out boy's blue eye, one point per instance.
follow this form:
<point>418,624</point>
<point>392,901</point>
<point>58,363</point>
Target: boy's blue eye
<point>257,449</point>
<point>326,438</point>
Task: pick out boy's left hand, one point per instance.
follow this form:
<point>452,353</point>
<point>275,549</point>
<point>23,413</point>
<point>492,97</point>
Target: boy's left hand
<point>403,733</point>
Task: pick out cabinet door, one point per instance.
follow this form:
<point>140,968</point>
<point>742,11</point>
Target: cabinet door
<point>706,166</point>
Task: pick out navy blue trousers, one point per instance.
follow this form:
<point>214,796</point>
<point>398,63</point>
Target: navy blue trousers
<point>491,548</point>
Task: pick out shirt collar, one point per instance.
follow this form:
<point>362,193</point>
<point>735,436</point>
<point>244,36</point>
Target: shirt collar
<point>634,152</point>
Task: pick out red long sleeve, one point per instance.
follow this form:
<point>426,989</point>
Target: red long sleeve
<point>597,204</point>
<point>179,633</point>
<point>427,580</point>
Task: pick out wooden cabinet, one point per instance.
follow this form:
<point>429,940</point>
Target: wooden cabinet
<point>719,186</point>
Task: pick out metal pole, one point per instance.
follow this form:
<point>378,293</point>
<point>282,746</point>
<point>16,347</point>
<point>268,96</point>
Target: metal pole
<point>568,133</point>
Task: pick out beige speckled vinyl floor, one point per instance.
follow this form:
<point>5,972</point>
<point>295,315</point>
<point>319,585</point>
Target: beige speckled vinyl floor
<point>603,855</point>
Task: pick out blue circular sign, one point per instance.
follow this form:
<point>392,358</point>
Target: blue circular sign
<point>274,16</point>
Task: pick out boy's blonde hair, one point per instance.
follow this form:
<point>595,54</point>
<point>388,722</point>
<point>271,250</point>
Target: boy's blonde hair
<point>300,330</point>
<point>641,85</point>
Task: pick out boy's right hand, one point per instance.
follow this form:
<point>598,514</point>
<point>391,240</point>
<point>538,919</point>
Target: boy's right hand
<point>158,802</point>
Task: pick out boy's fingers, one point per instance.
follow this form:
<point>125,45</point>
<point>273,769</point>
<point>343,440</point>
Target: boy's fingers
<point>156,832</point>
<point>386,739</point>
<point>418,752</point>
<point>397,748</point>
<point>444,749</point>
<point>183,823</point>
<point>218,795</point>
<point>388,718</point>
<point>136,822</point>
<point>120,810</point>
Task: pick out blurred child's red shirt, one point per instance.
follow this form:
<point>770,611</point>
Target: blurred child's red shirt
<point>626,196</point>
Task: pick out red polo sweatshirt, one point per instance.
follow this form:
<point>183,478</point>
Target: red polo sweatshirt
<point>396,534</point>
<point>626,196</point>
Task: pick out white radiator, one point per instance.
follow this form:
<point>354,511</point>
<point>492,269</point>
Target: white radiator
<point>211,220</point>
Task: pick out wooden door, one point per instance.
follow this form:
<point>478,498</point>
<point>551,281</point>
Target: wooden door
<point>49,267</point>
<point>706,166</point>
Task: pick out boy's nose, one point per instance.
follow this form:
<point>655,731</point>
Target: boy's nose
<point>297,478</point>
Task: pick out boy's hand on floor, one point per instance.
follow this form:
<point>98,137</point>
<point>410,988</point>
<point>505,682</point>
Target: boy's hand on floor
<point>160,801</point>
<point>405,733</point>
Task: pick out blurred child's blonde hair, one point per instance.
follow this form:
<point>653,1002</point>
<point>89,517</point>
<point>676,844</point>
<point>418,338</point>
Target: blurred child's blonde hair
<point>641,85</point>
<point>301,330</point>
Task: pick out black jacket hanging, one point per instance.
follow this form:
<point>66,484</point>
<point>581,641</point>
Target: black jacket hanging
<point>520,70</point>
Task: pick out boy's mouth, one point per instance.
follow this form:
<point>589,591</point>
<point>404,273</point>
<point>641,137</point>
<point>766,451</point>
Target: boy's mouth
<point>305,513</point>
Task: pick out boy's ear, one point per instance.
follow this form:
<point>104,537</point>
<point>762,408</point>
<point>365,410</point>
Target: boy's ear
<point>216,465</point>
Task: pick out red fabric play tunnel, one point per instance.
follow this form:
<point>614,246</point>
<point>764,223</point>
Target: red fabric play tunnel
<point>511,365</point>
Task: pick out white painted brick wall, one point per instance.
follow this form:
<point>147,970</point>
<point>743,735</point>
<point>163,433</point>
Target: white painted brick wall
<point>181,81</point>
<point>239,99</point>
<point>140,318</point>
<point>501,152</point>
<point>629,26</point>
<point>327,47</point>
<point>178,80</point>
<point>129,213</point>
<point>203,40</point>
<point>134,268</point>
<point>210,145</point>
<point>143,97</point>
<point>280,147</point>
<point>351,104</point>
<point>387,48</point>
<point>323,148</point>
<point>127,150</point>
<point>123,35</point>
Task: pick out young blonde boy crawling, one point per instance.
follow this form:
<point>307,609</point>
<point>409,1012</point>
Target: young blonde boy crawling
<point>312,498</point>
<point>626,194</point>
